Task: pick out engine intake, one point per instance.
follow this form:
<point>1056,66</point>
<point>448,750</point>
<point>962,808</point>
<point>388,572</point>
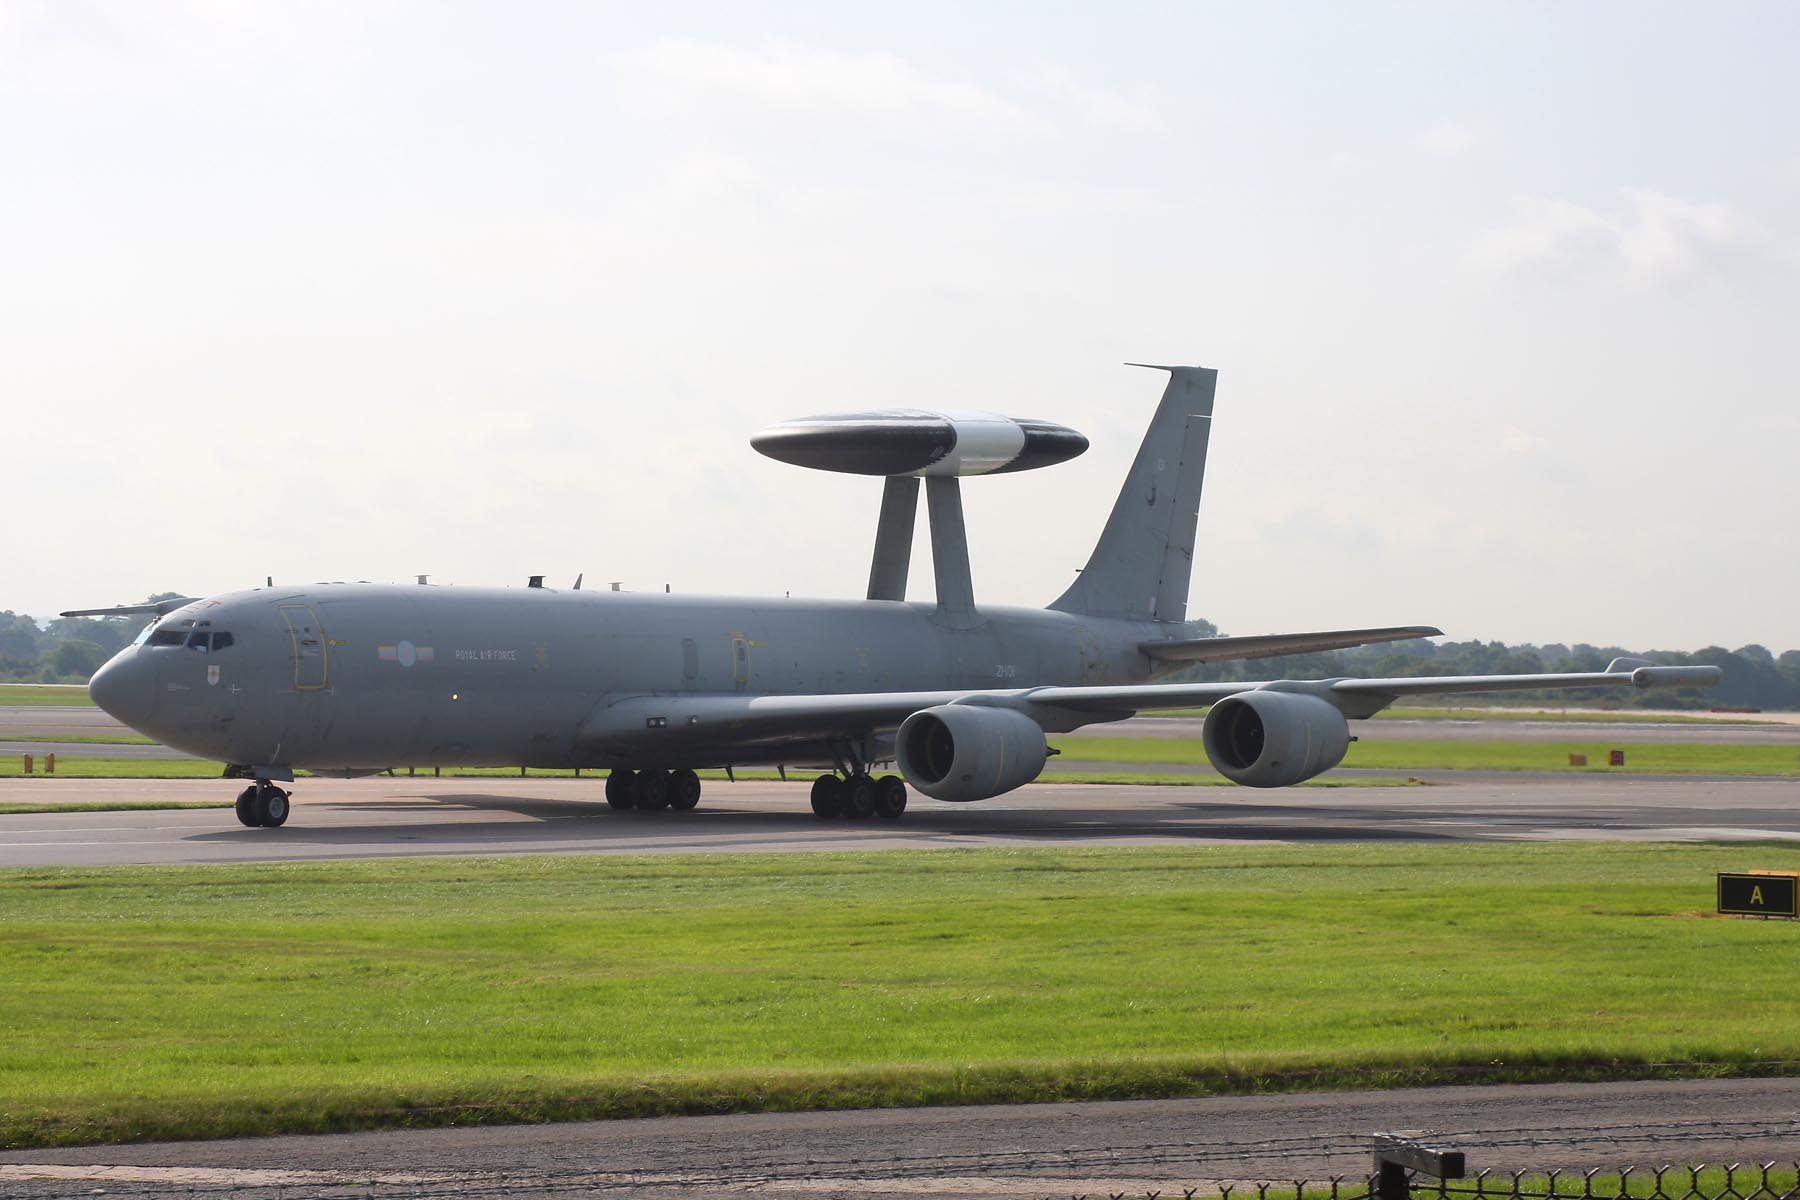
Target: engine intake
<point>1273,739</point>
<point>963,752</point>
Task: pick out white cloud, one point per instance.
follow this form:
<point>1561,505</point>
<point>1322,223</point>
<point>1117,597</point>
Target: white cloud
<point>1652,238</point>
<point>1447,139</point>
<point>1095,107</point>
<point>1514,440</point>
<point>77,47</point>
<point>717,84</point>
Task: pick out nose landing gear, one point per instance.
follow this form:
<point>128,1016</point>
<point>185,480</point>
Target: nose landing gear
<point>262,805</point>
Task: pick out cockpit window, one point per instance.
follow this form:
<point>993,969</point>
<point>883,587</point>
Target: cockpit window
<point>195,635</point>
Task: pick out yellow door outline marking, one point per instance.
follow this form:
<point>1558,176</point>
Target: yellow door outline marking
<point>294,639</point>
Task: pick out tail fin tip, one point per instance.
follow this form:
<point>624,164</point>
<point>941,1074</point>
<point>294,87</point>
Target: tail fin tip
<point>1141,566</point>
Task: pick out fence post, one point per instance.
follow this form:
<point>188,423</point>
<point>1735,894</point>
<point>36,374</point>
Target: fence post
<point>1398,1153</point>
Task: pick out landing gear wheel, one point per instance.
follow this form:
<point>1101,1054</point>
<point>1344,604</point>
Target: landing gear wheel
<point>684,790</point>
<point>618,788</point>
<point>246,808</point>
<point>859,798</point>
<point>827,796</point>
<point>270,806</point>
<point>890,797</point>
<point>651,789</point>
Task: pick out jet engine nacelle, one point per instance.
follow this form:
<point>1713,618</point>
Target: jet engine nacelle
<point>1273,739</point>
<point>966,752</point>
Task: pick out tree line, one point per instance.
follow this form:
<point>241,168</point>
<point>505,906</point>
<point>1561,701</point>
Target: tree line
<point>67,649</point>
<point>1754,676</point>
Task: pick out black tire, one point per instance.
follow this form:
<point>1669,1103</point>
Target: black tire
<point>827,796</point>
<point>890,797</point>
<point>684,790</point>
<point>859,798</point>
<point>271,806</point>
<point>246,808</point>
<point>650,790</point>
<point>619,788</point>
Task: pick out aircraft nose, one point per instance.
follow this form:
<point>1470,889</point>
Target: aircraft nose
<point>125,688</point>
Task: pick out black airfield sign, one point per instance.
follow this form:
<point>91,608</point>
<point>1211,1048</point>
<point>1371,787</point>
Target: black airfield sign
<point>1758,895</point>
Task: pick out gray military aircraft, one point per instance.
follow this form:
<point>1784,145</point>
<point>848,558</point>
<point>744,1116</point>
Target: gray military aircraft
<point>353,679</point>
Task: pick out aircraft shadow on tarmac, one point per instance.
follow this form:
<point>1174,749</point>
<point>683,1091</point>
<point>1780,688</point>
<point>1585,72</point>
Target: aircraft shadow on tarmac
<point>581,822</point>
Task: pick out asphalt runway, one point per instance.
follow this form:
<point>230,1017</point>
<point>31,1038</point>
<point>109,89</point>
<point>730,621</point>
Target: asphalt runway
<point>385,817</point>
<point>1098,1149</point>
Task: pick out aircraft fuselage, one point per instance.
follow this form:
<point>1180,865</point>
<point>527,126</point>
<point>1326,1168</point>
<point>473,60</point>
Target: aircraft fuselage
<point>365,676</point>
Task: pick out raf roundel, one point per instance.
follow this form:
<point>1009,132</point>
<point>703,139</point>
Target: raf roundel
<point>916,441</point>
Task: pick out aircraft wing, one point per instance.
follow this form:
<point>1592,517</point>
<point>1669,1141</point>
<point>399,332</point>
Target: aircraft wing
<point>159,608</point>
<point>1365,697</point>
<point>672,719</point>
<point>1231,649</point>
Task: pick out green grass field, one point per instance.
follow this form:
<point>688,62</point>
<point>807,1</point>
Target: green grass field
<point>1411,755</point>
<point>1627,716</point>
<point>14,694</point>
<point>1624,716</point>
<point>1774,761</point>
<point>78,766</point>
<point>210,1001</point>
<point>10,808</point>
<point>89,739</point>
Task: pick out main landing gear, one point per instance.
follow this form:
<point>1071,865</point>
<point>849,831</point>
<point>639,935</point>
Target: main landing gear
<point>858,797</point>
<point>262,804</point>
<point>653,789</point>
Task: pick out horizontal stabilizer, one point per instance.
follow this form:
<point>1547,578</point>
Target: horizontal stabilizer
<point>1232,649</point>
<point>158,608</point>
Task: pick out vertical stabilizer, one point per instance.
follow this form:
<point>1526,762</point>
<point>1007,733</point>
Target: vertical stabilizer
<point>1141,566</point>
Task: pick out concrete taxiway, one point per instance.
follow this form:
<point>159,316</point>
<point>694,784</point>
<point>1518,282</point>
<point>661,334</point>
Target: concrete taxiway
<point>400,816</point>
<point>20,725</point>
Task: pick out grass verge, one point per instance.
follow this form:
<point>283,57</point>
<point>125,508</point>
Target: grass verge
<point>33,694</point>
<point>10,808</point>
<point>1626,716</point>
<point>85,739</point>
<point>73,766</point>
<point>211,1001</point>
<point>1670,759</point>
<point>1623,716</point>
<point>78,767</point>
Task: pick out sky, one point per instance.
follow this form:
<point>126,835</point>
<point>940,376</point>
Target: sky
<point>1505,299</point>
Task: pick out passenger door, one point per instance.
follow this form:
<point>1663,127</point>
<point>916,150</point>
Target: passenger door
<point>312,663</point>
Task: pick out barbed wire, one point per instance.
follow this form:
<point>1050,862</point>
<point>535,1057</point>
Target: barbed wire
<point>1067,1162</point>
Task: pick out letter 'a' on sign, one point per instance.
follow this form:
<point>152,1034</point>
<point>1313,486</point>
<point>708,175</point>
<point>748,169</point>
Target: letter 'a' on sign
<point>1760,894</point>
